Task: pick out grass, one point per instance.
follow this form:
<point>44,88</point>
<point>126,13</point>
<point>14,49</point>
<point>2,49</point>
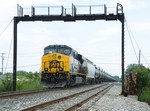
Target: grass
<point>145,95</point>
<point>24,82</point>
<point>28,85</point>
<point>1,86</point>
<point>6,83</point>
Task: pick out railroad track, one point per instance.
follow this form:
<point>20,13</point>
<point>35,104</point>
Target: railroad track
<point>20,93</point>
<point>70,102</point>
<point>28,92</point>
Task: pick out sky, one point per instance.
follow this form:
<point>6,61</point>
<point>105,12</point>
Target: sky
<point>99,41</point>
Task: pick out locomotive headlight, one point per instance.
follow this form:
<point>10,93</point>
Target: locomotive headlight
<point>45,69</point>
<point>60,69</point>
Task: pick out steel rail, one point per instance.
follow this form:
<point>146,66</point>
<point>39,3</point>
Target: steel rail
<point>38,106</point>
<point>103,91</point>
<point>18,93</point>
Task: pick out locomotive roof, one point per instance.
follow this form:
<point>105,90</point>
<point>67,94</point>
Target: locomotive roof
<point>57,46</point>
<point>60,46</point>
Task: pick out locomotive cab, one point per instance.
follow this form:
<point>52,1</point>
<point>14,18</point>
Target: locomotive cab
<point>60,66</point>
<point>55,64</point>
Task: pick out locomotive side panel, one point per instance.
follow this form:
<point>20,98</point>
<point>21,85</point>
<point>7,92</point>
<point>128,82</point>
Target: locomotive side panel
<point>91,73</point>
<point>75,66</point>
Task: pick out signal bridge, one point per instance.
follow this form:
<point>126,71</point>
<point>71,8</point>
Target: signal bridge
<point>60,13</point>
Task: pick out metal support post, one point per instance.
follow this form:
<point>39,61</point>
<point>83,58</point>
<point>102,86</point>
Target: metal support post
<point>15,54</point>
<point>122,21</point>
<point>2,61</point>
<point>139,62</point>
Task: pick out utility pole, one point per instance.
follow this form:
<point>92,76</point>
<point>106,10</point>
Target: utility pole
<point>139,57</point>
<point>2,61</point>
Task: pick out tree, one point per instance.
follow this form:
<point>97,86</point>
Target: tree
<point>116,78</point>
<point>21,72</point>
<point>143,77</point>
<point>135,68</point>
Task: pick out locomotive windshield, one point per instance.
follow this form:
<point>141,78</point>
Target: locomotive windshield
<point>57,48</point>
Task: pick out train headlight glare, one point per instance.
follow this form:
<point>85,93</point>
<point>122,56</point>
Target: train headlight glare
<point>60,69</point>
<point>46,69</point>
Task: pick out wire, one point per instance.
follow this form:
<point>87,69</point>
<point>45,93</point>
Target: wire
<point>137,44</point>
<point>131,40</point>
<point>5,28</point>
<point>145,59</point>
<point>33,65</point>
<point>8,54</point>
<point>29,65</point>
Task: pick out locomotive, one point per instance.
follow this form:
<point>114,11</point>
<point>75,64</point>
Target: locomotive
<point>63,66</point>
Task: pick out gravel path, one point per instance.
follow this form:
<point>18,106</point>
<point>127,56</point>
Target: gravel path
<point>113,101</point>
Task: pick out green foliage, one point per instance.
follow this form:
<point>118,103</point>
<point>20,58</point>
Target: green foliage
<point>135,68</point>
<point>144,95</point>
<point>25,81</point>
<point>21,73</point>
<point>143,80</point>
<point>116,78</point>
<point>6,83</point>
<point>28,85</point>
<point>29,81</point>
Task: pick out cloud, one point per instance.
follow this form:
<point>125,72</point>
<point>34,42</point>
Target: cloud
<point>142,26</point>
<point>103,34</point>
<point>40,2</point>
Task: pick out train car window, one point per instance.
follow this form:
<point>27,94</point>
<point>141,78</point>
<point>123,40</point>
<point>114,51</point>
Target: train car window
<point>64,51</point>
<point>46,51</point>
<point>67,51</point>
<point>60,49</point>
<point>73,54</point>
<point>49,51</point>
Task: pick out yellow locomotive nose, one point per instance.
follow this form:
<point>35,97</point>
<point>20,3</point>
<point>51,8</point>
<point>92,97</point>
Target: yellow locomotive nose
<point>54,56</point>
<point>55,63</point>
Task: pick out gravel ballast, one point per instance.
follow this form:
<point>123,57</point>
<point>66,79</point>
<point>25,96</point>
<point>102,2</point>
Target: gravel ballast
<point>24,101</point>
<point>113,101</point>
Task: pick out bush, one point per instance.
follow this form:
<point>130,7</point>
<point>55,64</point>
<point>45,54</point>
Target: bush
<point>143,87</point>
<point>143,81</point>
<point>29,81</point>
<point>144,95</point>
<point>29,85</point>
<point>6,83</point>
